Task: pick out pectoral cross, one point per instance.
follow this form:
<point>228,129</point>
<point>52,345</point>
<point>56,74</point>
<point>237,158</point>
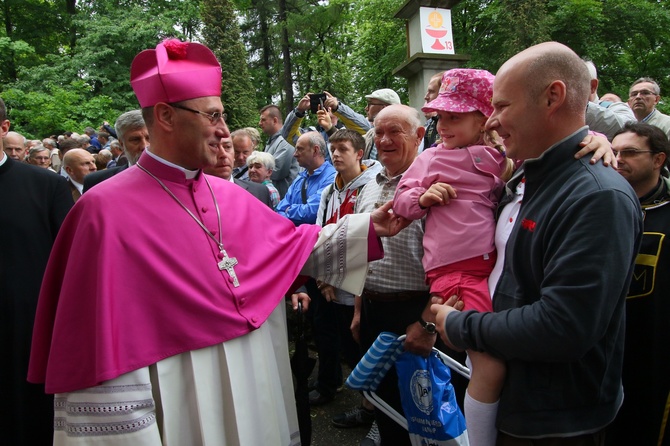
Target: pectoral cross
<point>228,263</point>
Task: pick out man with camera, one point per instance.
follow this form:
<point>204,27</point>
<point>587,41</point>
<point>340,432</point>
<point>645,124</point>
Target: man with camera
<point>292,130</point>
<point>345,116</point>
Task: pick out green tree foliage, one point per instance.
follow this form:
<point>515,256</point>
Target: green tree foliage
<point>89,82</point>
<point>55,108</point>
<point>29,33</point>
<point>66,62</point>
<point>626,39</point>
<point>379,47</point>
<point>348,48</point>
<point>321,48</point>
<point>222,35</point>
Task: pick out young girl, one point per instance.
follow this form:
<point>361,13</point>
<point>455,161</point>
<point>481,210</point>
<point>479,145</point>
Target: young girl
<point>459,251</point>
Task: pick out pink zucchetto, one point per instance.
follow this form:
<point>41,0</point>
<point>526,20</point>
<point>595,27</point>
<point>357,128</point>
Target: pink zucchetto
<point>175,71</point>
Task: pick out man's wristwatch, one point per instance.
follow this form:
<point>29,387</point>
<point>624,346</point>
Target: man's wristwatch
<point>430,327</point>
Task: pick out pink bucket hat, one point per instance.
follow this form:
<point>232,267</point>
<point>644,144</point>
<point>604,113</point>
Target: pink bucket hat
<point>175,71</point>
<point>464,90</point>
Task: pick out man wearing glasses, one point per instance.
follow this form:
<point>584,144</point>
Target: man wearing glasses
<point>186,342</point>
<point>643,96</point>
<point>642,153</point>
<point>40,156</point>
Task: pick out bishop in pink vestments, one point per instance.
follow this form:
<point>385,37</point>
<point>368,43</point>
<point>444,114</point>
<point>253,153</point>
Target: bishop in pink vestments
<point>161,317</point>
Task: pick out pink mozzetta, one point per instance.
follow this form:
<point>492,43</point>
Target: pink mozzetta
<point>132,279</point>
<point>175,71</point>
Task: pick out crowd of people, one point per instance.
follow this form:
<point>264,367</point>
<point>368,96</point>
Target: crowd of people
<point>517,224</point>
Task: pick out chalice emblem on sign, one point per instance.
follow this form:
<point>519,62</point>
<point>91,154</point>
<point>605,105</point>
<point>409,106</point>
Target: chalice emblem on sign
<point>436,30</point>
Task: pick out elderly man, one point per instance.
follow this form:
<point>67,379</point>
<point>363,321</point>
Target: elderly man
<point>40,156</point>
<point>15,146</point>
<point>606,118</point>
<point>395,296</point>
<point>50,143</point>
<point>302,199</point>
<point>245,142</point>
<point>224,169</point>
<point>34,204</point>
<point>643,96</point>
<point>78,163</point>
<point>116,151</point>
<point>196,328</point>
<point>133,139</point>
<point>643,152</point>
<point>559,289</point>
<point>286,166</point>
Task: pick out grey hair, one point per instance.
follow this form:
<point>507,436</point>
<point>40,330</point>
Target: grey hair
<point>115,143</point>
<point>23,138</point>
<point>37,149</point>
<point>128,122</point>
<point>264,158</point>
<point>655,87</point>
<point>315,139</point>
<point>253,134</point>
<point>593,72</point>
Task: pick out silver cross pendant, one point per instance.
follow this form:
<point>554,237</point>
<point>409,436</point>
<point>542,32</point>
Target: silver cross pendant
<point>228,263</point>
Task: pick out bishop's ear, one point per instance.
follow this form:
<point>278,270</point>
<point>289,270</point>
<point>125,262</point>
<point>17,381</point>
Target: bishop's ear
<point>163,115</point>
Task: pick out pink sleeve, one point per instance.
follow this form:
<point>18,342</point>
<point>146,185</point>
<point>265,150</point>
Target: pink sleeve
<point>414,183</point>
<point>375,247</point>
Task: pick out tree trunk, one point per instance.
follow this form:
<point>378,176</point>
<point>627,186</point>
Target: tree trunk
<point>70,8</point>
<point>266,47</point>
<point>286,53</point>
<point>9,29</point>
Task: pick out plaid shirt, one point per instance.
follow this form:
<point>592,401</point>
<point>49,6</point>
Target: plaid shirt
<point>401,268</point>
<point>274,193</point>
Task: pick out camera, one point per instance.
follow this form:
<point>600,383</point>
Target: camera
<point>315,100</point>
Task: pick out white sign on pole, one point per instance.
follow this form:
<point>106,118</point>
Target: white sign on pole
<point>436,36</point>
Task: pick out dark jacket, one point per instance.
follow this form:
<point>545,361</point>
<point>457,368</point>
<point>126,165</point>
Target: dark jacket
<point>257,190</point>
<point>559,303</point>
<point>94,178</point>
<point>646,367</point>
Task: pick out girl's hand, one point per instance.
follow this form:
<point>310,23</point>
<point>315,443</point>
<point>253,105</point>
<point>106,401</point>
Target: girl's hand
<point>438,193</point>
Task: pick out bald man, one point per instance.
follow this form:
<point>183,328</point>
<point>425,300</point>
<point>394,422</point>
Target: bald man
<point>15,146</point>
<point>559,289</point>
<point>78,163</point>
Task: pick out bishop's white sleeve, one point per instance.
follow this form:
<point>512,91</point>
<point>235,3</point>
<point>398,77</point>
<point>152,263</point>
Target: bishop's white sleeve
<point>340,255</point>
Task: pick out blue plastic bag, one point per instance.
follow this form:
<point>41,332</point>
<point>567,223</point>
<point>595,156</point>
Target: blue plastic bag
<point>429,401</point>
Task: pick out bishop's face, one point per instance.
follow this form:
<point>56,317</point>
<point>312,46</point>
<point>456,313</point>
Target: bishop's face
<point>198,137</point>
